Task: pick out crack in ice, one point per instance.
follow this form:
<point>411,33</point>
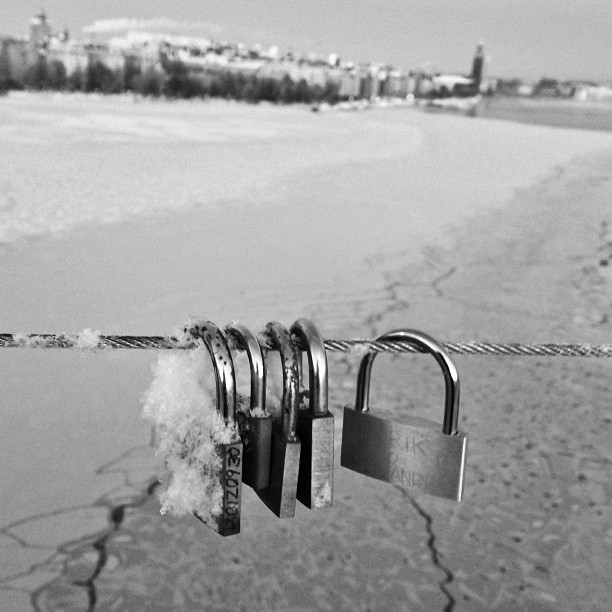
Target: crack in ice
<point>435,553</point>
<point>439,279</point>
<point>116,518</point>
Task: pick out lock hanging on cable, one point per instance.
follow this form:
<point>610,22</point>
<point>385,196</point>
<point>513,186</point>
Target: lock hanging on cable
<point>256,425</point>
<point>408,451</point>
<point>280,495</point>
<point>315,425</point>
<point>230,454</point>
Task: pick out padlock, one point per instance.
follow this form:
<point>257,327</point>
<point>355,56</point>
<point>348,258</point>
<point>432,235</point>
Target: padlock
<point>230,454</point>
<point>315,426</point>
<point>281,493</point>
<point>408,451</point>
<point>255,423</point>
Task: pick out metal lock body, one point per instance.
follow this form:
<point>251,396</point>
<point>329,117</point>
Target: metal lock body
<point>256,425</point>
<point>407,451</point>
<point>230,455</point>
<point>280,495</point>
<point>315,425</point>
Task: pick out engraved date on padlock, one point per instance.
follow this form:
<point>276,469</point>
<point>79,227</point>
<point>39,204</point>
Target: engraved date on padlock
<point>230,479</point>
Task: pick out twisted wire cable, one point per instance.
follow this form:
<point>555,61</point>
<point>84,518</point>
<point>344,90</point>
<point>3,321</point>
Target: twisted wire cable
<point>356,346</point>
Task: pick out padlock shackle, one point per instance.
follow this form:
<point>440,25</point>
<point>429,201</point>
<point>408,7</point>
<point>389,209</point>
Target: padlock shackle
<point>308,333</point>
<point>248,341</point>
<point>428,344</point>
<point>281,338</point>
<point>214,340</point>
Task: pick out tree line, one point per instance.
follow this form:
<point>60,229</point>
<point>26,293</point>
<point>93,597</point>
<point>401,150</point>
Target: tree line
<point>174,80</point>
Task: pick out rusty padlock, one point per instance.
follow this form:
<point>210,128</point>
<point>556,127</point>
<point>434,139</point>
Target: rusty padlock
<point>315,426</point>
<point>255,423</point>
<point>280,495</point>
<point>230,454</point>
<point>407,451</point>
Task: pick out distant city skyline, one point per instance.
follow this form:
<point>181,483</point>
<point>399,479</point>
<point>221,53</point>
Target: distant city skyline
<point>523,38</point>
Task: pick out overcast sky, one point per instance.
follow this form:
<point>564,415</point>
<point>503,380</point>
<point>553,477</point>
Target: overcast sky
<point>525,38</point>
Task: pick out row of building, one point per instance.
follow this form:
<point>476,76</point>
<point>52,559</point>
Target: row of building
<point>552,88</point>
<point>150,51</point>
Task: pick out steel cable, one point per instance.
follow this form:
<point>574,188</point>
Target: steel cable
<point>357,346</point>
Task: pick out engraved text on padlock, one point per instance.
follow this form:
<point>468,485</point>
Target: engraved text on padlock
<point>256,425</point>
<point>229,454</point>
<point>408,451</point>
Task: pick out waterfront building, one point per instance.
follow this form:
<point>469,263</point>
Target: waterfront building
<point>590,92</point>
<point>333,59</point>
<point>422,84</point>
<point>128,53</point>
<point>350,84</point>
<point>16,56</point>
<point>453,85</point>
<point>478,65</point>
<point>397,84</point>
<point>71,53</point>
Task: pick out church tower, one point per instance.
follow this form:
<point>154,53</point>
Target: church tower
<point>40,29</point>
<point>478,64</point>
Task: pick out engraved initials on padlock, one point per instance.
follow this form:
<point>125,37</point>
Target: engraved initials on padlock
<point>256,427</point>
<point>315,426</point>
<point>230,454</point>
<point>407,451</point>
<point>280,495</point>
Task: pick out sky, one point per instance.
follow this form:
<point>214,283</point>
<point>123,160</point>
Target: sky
<point>529,39</point>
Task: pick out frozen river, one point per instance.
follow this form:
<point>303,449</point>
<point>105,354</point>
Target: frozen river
<point>129,217</point>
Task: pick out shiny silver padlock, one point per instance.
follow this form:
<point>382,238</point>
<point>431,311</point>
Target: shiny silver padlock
<point>230,454</point>
<point>280,495</point>
<point>408,451</point>
<point>256,423</point>
<point>315,426</point>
